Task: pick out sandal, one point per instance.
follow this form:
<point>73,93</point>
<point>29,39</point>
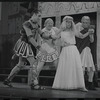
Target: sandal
<point>8,83</point>
<point>37,87</point>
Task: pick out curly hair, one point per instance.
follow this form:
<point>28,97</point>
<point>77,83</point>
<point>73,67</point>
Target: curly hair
<point>48,20</point>
<point>63,25</point>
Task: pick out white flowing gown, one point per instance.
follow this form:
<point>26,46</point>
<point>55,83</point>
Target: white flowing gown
<point>69,73</point>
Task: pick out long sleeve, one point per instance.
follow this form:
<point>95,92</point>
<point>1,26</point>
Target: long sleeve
<point>77,32</point>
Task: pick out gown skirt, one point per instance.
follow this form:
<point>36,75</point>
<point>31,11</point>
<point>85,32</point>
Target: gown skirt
<point>87,59</point>
<point>51,55</point>
<point>69,73</point>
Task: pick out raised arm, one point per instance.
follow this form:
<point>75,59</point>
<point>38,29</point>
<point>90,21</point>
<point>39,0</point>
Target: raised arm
<point>78,32</point>
<point>57,34</point>
<point>82,36</point>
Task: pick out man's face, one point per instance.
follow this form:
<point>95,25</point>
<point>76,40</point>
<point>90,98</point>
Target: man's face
<point>36,20</point>
<point>85,23</point>
<point>38,17</point>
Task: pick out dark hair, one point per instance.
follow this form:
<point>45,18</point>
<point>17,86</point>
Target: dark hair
<point>27,16</point>
<point>33,7</point>
<point>36,11</point>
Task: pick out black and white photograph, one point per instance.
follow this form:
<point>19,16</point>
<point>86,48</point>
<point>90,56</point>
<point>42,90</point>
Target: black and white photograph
<point>49,50</point>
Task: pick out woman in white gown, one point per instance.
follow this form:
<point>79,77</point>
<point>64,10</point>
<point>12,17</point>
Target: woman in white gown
<point>69,74</point>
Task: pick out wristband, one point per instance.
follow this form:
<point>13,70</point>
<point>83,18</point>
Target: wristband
<point>42,34</point>
<point>30,36</point>
<point>50,37</point>
<point>38,47</point>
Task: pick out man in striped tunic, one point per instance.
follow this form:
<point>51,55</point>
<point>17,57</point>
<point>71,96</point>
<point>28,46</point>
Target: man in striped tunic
<point>25,48</point>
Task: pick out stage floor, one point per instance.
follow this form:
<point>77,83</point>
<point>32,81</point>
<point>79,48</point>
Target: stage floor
<point>22,90</point>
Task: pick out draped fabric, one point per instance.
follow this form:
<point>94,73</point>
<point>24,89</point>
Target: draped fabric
<point>23,47</point>
<point>69,74</point>
<point>49,46</point>
<point>82,43</point>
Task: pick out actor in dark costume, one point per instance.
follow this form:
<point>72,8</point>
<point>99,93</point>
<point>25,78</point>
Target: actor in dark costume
<point>83,45</point>
<point>24,49</point>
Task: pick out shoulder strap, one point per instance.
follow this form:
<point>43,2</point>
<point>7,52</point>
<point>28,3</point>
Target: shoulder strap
<point>28,25</point>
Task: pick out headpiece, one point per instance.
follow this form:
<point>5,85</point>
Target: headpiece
<point>68,18</point>
<point>48,20</point>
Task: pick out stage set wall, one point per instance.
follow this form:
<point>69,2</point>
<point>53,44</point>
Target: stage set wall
<point>57,10</point>
<point>12,16</point>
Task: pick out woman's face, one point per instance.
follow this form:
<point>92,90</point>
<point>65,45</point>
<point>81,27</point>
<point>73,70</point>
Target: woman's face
<point>49,25</point>
<point>68,24</point>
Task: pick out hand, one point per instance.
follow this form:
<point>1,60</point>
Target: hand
<point>54,36</point>
<point>46,34</point>
<point>91,31</point>
<point>34,30</point>
<point>43,51</point>
<point>65,44</point>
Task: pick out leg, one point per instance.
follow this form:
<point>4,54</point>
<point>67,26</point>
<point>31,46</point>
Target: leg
<point>90,79</point>
<point>90,74</point>
<point>56,63</point>
<point>34,74</point>
<point>85,76</point>
<point>95,78</point>
<point>84,89</point>
<point>87,61</point>
<point>40,67</point>
<point>14,71</point>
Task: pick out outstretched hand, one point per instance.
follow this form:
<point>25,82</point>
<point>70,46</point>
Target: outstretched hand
<point>91,31</point>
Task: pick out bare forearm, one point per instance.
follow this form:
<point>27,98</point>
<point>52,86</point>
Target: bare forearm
<point>55,36</point>
<point>33,42</point>
<point>83,36</point>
